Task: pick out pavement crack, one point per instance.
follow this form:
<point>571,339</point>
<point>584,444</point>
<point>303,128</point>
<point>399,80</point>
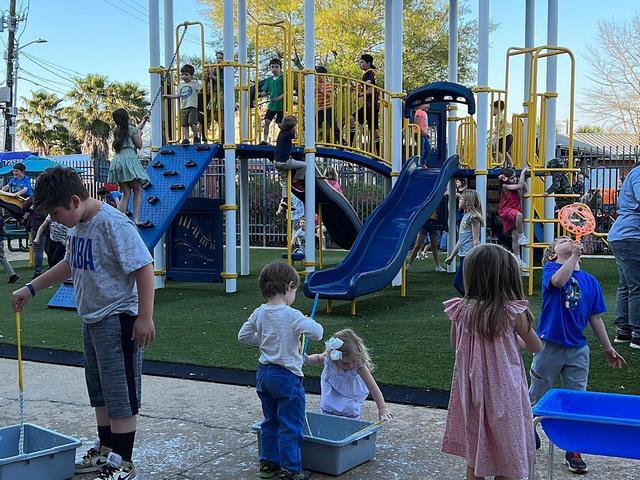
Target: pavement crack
<point>193,422</point>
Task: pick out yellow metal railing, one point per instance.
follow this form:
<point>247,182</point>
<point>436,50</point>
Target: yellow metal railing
<point>466,145</point>
<point>412,140</point>
<point>533,140</point>
<point>347,113</point>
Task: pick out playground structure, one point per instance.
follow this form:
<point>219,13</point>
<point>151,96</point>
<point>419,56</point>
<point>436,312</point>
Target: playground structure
<point>398,140</point>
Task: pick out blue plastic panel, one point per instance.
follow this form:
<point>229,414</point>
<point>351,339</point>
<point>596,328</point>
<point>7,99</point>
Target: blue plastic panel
<point>63,298</point>
<point>161,213</point>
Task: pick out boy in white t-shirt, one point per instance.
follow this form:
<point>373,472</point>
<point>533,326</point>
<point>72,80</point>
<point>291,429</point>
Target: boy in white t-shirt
<point>188,94</point>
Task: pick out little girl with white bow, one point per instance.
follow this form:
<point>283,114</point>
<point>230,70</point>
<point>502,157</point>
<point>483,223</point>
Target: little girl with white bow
<point>346,379</point>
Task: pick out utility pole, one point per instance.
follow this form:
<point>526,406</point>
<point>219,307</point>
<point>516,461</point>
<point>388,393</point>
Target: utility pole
<point>9,112</point>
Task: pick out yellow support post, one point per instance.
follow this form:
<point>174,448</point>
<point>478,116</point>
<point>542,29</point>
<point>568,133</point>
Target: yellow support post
<point>329,306</point>
<point>353,307</point>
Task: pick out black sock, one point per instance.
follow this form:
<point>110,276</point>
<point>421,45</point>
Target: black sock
<point>104,434</point>
<point>123,444</point>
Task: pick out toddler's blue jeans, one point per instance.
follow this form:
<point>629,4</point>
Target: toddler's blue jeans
<point>283,403</point>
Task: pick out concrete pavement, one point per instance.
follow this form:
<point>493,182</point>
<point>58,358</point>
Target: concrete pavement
<point>198,430</point>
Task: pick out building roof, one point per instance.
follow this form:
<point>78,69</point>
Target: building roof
<point>608,140</point>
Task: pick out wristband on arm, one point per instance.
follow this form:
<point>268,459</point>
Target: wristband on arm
<point>31,289</point>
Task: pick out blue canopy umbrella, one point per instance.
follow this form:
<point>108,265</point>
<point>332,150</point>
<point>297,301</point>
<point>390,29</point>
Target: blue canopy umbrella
<point>34,166</point>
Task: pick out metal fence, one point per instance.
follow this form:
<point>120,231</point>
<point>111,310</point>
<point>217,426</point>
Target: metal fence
<point>603,170</point>
<point>364,189</point>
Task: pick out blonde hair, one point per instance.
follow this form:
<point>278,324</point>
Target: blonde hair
<point>473,207</point>
<point>331,173</point>
<point>492,278</point>
<point>353,346</point>
<point>550,251</point>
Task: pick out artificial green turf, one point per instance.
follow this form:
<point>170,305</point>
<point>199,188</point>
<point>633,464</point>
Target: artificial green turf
<point>408,337</point>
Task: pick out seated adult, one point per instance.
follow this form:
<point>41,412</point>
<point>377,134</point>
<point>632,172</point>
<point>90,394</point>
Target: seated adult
<point>20,184</point>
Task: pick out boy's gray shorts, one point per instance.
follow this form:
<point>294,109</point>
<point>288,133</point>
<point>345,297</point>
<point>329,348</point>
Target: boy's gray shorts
<point>113,365</point>
<point>555,360</point>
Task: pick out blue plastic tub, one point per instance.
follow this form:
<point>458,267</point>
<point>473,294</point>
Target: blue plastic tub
<point>47,455</point>
<point>336,444</point>
<point>590,422</point>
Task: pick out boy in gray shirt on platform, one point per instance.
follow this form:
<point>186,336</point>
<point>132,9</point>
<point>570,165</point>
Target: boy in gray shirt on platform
<point>276,328</point>
<point>112,273</point>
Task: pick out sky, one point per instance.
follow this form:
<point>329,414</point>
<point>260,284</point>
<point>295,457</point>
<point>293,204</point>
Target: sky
<point>111,37</point>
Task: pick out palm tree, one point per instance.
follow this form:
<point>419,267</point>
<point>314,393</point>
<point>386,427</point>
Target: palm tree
<point>41,125</point>
<point>92,100</point>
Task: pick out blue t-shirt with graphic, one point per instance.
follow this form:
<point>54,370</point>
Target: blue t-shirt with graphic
<point>15,185</point>
<point>566,311</point>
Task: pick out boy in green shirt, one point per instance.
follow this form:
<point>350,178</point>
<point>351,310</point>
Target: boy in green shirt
<point>274,88</point>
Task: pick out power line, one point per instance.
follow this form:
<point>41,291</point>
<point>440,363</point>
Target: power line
<point>143,20</point>
<point>56,66</point>
<point>43,86</point>
<point>45,79</point>
<point>30,58</point>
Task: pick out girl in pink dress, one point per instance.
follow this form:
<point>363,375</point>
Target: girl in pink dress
<point>489,420</point>
<point>510,209</point>
<point>346,379</point>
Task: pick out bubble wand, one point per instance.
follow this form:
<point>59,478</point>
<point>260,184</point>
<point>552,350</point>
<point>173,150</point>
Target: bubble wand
<point>577,219</point>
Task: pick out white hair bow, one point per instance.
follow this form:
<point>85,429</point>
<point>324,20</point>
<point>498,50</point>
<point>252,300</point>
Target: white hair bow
<point>333,344</point>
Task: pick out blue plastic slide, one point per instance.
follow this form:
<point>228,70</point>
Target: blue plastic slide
<point>390,231</point>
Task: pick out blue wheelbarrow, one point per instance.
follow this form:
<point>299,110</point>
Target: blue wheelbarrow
<point>595,423</point>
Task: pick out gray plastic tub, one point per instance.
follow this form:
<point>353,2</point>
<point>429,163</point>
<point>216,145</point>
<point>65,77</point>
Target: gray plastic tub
<point>336,444</point>
<point>47,455</point>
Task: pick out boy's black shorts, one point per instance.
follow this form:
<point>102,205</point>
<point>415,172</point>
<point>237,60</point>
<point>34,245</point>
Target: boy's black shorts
<point>271,114</point>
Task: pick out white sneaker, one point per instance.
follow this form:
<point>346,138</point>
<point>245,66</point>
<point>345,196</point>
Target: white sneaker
<point>439,268</point>
<point>522,239</point>
<point>116,469</point>
<point>95,458</point>
<point>408,267</point>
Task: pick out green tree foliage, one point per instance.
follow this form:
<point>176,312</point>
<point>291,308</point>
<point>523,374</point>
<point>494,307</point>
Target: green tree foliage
<point>42,126</point>
<point>89,112</point>
<point>347,28</point>
<point>589,129</point>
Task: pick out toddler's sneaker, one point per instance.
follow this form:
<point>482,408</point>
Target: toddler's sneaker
<point>196,140</point>
<point>522,239</point>
<point>440,268</point>
<point>635,343</point>
<point>116,469</point>
<point>408,267</point>
<point>575,463</point>
<point>268,469</point>
<point>185,142</point>
<point>95,458</point>
<point>287,475</point>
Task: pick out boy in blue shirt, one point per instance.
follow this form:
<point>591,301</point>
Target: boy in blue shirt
<point>571,299</point>
<point>20,184</point>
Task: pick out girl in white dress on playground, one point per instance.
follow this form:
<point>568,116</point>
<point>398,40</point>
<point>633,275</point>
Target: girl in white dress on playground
<point>346,379</point>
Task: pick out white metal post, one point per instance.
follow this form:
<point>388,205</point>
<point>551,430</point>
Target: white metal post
<point>396,102</point>
<point>245,258</point>
<point>310,137</point>
<point>169,47</point>
<point>550,130</point>
<point>452,131</point>
<point>159,251</point>
<point>482,106</point>
<point>229,151</point>
<point>529,39</point>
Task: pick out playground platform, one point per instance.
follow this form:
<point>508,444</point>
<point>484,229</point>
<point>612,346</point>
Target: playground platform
<point>198,430</point>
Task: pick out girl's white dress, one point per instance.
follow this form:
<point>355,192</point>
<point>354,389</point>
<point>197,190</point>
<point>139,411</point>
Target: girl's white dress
<point>343,391</point>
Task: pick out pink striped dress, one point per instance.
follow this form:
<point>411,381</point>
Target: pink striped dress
<point>489,420</point>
